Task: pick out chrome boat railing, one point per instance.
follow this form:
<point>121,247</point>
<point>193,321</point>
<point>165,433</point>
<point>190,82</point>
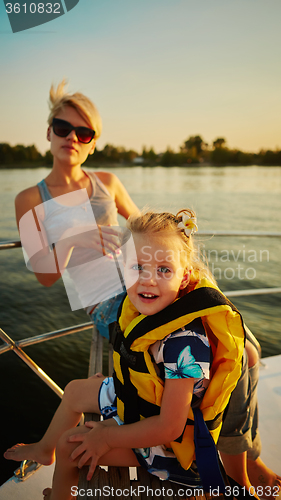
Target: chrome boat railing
<point>16,347</point>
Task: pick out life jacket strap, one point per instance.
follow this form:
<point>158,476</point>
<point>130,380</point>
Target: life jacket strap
<point>206,454</point>
<point>211,424</point>
<point>134,360</point>
<point>139,407</point>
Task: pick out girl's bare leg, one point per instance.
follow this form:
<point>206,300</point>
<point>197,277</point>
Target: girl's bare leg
<point>79,396</point>
<point>66,471</point>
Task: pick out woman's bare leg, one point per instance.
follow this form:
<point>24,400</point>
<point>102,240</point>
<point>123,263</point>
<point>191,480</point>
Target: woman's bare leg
<point>236,467</point>
<point>79,396</point>
<point>263,479</point>
<point>252,472</point>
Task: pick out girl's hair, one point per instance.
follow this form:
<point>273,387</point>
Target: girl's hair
<point>83,105</point>
<point>153,223</point>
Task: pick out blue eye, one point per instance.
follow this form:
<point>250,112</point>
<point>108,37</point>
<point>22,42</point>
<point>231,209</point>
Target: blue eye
<point>136,267</point>
<point>163,269</point>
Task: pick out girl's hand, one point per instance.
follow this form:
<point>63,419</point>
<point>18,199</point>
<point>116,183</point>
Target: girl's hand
<point>93,446</point>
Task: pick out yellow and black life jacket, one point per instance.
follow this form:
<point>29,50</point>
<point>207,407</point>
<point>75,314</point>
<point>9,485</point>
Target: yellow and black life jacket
<point>138,387</point>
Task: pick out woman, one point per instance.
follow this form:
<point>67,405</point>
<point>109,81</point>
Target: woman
<point>55,233</point>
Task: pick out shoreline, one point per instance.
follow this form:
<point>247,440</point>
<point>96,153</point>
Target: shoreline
<point>94,165</point>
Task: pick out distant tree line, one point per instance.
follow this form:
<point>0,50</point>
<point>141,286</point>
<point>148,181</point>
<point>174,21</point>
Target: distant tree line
<point>19,154</point>
<point>193,151</point>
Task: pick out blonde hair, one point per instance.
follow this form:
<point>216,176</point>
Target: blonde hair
<point>58,99</point>
<point>153,223</point>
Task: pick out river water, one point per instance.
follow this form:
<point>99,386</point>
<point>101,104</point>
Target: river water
<point>224,198</point>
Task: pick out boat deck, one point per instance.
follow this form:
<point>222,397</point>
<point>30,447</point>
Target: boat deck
<point>269,398</point>
<point>269,395</point>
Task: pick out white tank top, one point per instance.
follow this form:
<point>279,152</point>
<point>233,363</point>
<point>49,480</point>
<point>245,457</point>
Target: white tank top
<point>90,277</point>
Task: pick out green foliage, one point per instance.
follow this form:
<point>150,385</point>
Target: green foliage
<point>6,154</point>
<point>18,154</point>
<point>150,155</point>
<point>270,157</point>
<point>219,143</point>
<point>170,158</point>
<point>193,151</point>
<point>222,155</point>
<point>112,154</point>
<point>48,158</point>
<point>194,146</point>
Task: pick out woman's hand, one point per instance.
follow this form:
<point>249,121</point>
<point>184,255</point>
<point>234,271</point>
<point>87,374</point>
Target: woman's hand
<point>104,239</point>
<point>93,446</point>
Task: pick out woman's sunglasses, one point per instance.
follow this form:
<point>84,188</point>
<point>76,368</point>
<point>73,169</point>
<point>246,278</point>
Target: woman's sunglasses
<point>62,128</point>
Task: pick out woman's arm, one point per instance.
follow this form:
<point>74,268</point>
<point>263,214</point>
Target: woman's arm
<point>48,265</point>
<point>33,236</point>
<point>152,431</point>
<point>123,201</point>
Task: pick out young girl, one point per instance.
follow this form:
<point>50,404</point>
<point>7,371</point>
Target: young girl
<point>178,347</point>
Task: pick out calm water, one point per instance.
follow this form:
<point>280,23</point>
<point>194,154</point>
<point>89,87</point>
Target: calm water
<point>243,198</point>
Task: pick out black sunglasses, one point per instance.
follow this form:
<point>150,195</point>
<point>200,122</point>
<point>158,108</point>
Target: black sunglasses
<point>62,128</point>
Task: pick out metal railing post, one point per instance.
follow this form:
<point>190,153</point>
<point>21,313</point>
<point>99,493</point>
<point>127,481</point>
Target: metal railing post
<point>22,355</point>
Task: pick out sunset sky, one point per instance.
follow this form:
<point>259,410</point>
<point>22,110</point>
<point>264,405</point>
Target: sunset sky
<point>158,71</point>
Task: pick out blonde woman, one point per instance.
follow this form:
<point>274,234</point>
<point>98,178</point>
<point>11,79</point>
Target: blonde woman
<point>60,218</point>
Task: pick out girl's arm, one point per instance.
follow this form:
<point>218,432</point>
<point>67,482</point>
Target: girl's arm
<point>152,431</point>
